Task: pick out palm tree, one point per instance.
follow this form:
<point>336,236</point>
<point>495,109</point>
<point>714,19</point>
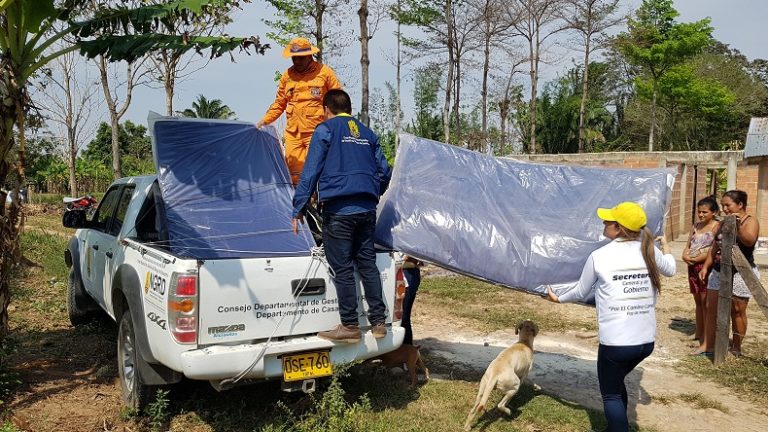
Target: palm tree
<point>34,33</point>
<point>211,109</point>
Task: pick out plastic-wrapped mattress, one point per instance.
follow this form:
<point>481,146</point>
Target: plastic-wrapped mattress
<point>225,189</point>
<point>517,224</point>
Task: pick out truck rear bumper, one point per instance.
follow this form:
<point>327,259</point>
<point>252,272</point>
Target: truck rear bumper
<point>221,362</point>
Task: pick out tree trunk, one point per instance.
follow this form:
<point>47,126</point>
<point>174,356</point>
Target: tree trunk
<point>449,80</point>
<point>484,90</point>
<point>457,97</point>
<point>71,133</point>
<point>11,217</point>
<point>399,64</point>
<point>113,117</point>
<point>534,53</point>
<point>320,6</point>
<point>169,84</point>
<point>364,61</point>
<point>584,95</point>
<point>653,118</point>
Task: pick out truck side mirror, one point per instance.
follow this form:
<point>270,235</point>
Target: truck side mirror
<point>75,219</point>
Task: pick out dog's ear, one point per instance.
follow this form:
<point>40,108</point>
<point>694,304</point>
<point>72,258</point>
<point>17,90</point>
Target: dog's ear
<point>535,329</point>
<point>517,329</point>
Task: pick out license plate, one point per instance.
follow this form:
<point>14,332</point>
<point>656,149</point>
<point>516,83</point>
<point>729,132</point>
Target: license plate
<point>307,365</point>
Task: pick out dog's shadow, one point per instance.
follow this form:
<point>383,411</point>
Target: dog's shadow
<point>492,414</point>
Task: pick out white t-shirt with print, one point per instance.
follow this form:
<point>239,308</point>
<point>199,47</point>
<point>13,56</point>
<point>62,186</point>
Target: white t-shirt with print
<point>625,299</point>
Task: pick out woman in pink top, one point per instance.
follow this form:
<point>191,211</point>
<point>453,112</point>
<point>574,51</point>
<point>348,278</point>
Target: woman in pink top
<point>695,253</point>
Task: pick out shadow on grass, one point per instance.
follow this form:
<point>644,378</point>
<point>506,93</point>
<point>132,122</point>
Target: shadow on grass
<point>683,325</point>
<point>568,380</point>
<point>55,361</point>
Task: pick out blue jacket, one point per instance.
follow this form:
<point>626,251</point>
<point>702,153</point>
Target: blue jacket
<point>345,164</point>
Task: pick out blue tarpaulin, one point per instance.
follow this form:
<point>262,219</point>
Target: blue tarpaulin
<point>225,188</point>
<point>512,223</point>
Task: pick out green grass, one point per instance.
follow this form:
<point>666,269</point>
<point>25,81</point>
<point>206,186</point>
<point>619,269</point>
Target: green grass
<point>747,375</point>
<point>491,307</point>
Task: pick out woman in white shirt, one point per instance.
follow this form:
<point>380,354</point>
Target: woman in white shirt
<point>624,278</point>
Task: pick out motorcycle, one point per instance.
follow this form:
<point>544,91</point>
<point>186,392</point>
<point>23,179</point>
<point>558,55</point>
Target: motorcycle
<point>79,210</point>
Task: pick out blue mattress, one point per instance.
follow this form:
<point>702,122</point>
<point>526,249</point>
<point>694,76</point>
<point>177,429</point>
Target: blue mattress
<point>508,222</point>
<point>225,188</point>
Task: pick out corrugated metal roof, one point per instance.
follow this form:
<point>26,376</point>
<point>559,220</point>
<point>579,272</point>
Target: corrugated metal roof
<point>757,138</point>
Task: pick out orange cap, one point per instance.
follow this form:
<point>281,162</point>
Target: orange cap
<point>300,47</point>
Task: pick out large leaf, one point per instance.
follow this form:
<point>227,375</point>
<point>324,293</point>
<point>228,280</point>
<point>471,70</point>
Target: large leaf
<point>129,48</point>
<point>35,12</point>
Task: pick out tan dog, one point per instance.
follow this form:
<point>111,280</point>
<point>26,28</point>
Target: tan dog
<point>406,354</point>
<point>507,371</point>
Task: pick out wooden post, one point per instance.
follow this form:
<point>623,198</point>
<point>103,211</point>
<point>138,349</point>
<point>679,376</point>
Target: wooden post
<point>726,289</point>
<point>753,283</point>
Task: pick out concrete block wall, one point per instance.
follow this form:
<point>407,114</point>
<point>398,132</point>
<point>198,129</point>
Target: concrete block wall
<point>746,180</point>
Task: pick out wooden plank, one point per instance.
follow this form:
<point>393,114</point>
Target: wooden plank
<point>753,283</point>
<point>728,232</point>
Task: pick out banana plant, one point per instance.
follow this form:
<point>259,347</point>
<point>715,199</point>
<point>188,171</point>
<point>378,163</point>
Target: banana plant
<point>33,33</point>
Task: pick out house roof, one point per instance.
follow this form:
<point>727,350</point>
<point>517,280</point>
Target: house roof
<point>757,138</point>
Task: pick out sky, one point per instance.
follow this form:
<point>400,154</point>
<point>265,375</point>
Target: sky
<point>247,85</point>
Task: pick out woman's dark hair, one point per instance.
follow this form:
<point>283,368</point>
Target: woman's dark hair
<point>737,196</point>
<point>647,248</point>
<point>710,202</point>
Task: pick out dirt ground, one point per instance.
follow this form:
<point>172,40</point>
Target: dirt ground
<point>565,363</point>
<point>70,381</point>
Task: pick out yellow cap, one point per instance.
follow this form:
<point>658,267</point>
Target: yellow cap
<point>300,47</point>
<point>628,214</point>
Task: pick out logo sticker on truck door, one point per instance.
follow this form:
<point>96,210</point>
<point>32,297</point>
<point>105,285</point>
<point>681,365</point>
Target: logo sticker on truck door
<point>155,283</point>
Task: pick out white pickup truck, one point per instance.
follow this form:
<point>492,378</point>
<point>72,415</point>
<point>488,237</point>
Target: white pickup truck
<point>228,321</point>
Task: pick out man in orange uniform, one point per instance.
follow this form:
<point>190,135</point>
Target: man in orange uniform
<point>300,94</point>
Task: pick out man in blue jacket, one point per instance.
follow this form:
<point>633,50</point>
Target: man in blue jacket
<point>346,167</point>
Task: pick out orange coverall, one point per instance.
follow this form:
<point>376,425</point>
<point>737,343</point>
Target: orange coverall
<point>300,95</point>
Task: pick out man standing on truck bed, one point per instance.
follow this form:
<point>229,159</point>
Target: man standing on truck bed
<point>347,168</point>
<point>300,94</point>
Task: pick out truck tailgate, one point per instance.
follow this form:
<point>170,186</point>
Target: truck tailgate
<point>242,300</point>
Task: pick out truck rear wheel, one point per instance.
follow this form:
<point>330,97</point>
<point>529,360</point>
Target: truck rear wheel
<point>136,394</point>
<point>79,304</point>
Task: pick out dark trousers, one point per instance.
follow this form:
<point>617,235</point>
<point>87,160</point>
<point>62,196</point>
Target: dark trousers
<point>413,278</point>
<point>348,243</point>
<point>614,363</point>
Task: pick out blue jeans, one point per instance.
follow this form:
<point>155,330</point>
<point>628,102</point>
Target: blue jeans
<point>348,243</point>
<point>614,363</point>
<point>413,278</point>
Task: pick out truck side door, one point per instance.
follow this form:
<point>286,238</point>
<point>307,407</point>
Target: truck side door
<point>100,242</point>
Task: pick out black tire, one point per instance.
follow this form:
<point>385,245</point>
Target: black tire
<point>136,394</point>
<point>79,304</point>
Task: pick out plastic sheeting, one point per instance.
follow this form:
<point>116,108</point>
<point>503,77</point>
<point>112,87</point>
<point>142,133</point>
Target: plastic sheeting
<point>226,189</point>
<point>517,224</point>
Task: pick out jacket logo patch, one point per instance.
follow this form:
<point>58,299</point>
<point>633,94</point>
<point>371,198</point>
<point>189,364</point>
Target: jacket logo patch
<point>316,92</point>
<point>353,130</point>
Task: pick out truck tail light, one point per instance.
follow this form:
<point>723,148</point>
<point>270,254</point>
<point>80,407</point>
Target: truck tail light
<point>399,293</point>
<point>182,307</point>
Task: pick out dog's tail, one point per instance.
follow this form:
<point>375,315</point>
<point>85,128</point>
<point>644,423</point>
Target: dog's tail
<point>487,384</point>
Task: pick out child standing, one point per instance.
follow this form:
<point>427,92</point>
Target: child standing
<point>695,253</point>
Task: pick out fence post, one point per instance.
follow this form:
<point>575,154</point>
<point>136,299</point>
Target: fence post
<point>759,294</point>
<point>728,232</point>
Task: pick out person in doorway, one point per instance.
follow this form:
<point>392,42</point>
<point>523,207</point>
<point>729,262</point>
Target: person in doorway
<point>624,278</point>
<point>347,168</point>
<point>412,274</point>
<point>695,253</point>
<point>300,95</point>
<point>748,228</point>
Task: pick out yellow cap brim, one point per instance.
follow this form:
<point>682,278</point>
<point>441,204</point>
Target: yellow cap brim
<point>287,52</point>
<point>606,214</point>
